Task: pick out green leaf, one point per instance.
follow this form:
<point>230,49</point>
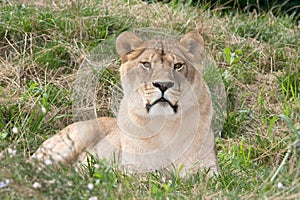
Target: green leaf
<point>288,122</point>
<point>227,54</point>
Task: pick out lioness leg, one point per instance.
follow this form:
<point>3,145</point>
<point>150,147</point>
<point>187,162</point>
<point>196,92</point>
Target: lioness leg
<point>66,146</point>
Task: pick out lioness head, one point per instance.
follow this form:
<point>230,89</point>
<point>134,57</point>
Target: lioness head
<point>159,77</point>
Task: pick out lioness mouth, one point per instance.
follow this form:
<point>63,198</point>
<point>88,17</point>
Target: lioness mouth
<point>162,99</point>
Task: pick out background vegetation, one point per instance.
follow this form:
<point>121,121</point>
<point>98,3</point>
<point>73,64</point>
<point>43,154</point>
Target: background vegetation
<point>277,7</point>
<point>42,44</point>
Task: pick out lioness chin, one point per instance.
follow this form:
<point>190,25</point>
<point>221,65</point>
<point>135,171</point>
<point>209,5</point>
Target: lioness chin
<point>165,116</point>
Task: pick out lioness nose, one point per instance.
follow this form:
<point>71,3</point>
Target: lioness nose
<point>163,86</point>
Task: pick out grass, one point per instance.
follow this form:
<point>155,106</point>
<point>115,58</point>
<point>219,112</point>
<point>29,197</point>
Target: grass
<point>41,49</point>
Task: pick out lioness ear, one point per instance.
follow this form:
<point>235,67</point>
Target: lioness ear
<point>193,43</point>
<point>127,42</point>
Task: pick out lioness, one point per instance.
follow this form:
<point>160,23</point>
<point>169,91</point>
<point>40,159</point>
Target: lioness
<point>165,116</point>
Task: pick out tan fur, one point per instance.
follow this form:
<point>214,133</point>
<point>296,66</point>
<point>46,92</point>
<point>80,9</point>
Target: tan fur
<point>149,134</point>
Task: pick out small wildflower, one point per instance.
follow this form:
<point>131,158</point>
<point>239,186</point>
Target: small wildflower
<point>69,183</point>
<point>15,130</point>
<point>93,198</point>
<point>96,166</point>
<point>44,110</point>
<point>36,185</point>
<point>48,162</point>
<point>280,186</point>
<point>90,186</point>
<point>4,184</point>
<point>11,152</point>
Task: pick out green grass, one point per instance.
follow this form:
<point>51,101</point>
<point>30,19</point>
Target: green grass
<point>41,49</point>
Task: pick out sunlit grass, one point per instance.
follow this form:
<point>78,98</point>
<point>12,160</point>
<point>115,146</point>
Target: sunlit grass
<point>41,49</point>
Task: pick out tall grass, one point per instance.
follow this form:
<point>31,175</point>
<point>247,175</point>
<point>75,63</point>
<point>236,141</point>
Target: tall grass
<point>41,48</point>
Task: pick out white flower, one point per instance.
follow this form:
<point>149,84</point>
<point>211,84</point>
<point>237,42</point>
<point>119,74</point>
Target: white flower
<point>90,186</point>
<point>96,166</point>
<point>36,185</point>
<point>69,183</point>
<point>280,186</point>
<point>4,184</point>
<point>48,162</point>
<point>44,110</point>
<point>93,198</point>
<point>15,130</point>
<point>11,151</point>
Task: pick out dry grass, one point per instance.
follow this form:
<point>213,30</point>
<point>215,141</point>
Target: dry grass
<point>39,61</point>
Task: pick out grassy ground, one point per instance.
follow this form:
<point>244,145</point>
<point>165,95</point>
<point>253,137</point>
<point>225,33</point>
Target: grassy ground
<point>42,44</point>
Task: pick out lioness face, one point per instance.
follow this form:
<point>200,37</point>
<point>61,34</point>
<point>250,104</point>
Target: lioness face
<point>158,82</point>
<point>157,75</point>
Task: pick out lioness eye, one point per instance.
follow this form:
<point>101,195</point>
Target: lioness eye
<point>178,66</point>
<point>146,65</point>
